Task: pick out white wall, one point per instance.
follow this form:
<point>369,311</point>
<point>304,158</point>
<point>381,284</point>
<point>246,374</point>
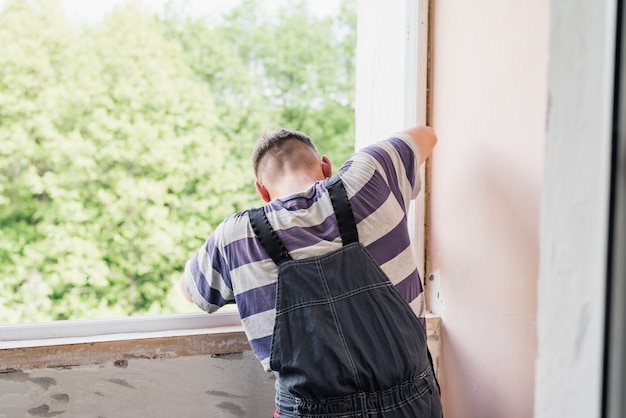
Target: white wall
<point>489,69</point>
<point>575,210</point>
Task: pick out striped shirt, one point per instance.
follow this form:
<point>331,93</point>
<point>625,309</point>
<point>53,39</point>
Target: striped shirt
<point>233,267</point>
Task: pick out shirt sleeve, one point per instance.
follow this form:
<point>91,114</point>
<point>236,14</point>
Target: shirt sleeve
<point>206,276</point>
<point>395,162</point>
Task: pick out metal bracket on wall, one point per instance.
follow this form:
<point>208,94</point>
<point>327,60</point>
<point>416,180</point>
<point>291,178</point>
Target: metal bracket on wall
<point>433,293</point>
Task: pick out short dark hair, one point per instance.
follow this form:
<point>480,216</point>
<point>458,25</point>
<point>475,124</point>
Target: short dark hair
<point>275,140</point>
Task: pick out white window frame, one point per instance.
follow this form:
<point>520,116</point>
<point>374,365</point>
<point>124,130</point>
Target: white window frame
<point>391,83</point>
<point>392,48</point>
<point>115,329</point>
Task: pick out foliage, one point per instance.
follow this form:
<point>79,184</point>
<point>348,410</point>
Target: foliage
<point>125,142</point>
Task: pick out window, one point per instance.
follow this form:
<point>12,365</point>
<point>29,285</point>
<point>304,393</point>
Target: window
<point>121,135</point>
<point>396,100</point>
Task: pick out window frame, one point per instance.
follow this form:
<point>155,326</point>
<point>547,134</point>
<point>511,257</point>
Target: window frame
<point>110,329</point>
<point>391,97</point>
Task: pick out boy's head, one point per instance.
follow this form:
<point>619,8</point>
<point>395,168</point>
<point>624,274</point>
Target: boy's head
<point>286,158</point>
<point>277,149</point>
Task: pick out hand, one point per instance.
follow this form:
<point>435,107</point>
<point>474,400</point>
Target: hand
<point>425,138</point>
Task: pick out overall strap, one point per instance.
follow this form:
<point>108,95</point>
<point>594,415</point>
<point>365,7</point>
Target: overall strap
<point>343,210</point>
<point>266,234</point>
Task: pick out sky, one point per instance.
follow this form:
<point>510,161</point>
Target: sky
<point>92,11</point>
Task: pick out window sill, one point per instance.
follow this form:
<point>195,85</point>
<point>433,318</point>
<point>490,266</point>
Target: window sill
<point>215,335</point>
<point>89,342</point>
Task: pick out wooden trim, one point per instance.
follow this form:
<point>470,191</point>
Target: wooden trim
<point>120,351</point>
<point>433,333</point>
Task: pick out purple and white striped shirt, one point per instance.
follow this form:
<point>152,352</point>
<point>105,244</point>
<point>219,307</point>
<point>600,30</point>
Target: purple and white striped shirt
<point>233,267</point>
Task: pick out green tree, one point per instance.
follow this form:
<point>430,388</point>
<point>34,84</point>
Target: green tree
<point>32,40</point>
<point>124,143</point>
<point>309,74</point>
<point>291,68</point>
<point>119,167</point>
<point>159,162</point>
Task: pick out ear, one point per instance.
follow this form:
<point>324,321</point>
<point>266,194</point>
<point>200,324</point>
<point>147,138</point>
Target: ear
<point>262,191</point>
<point>327,167</point>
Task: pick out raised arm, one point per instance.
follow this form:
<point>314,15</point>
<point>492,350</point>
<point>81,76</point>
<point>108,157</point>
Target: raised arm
<point>424,137</point>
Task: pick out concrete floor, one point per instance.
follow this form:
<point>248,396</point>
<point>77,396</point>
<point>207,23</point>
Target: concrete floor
<point>224,386</point>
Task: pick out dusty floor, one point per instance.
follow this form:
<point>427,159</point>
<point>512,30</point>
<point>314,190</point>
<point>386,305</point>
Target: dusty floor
<point>232,385</point>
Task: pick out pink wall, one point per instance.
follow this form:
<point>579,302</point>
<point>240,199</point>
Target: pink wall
<point>490,61</point>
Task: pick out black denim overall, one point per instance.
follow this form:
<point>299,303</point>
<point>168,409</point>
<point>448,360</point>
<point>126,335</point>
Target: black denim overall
<point>345,343</point>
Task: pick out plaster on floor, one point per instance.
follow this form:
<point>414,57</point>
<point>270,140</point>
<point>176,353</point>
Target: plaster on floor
<point>224,386</point>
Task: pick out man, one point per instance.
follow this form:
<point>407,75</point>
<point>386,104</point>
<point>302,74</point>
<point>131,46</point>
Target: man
<point>324,278</point>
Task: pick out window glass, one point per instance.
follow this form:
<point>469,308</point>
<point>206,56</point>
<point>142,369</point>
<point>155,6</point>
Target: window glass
<point>125,133</point>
